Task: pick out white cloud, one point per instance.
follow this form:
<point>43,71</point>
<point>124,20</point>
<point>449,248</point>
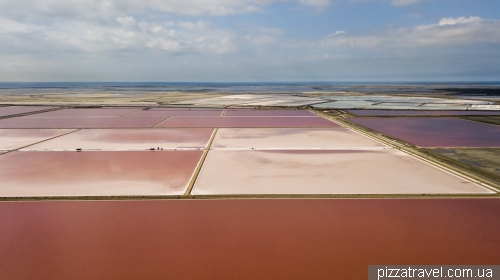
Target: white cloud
<point>126,34</point>
<point>106,25</point>
<point>126,21</point>
<point>395,2</point>
<point>326,56</point>
<point>8,26</point>
<point>111,39</point>
<point>257,35</point>
<point>404,2</point>
<point>100,10</point>
<point>316,3</point>
<point>448,32</point>
<point>453,21</point>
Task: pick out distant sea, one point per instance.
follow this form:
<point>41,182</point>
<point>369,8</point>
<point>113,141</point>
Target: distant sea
<point>234,88</point>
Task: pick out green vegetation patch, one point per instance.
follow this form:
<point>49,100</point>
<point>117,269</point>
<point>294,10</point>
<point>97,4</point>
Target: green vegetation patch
<point>486,159</point>
<point>485,119</point>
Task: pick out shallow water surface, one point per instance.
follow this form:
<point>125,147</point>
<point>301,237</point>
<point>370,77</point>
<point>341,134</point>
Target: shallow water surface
<point>85,112</point>
<point>276,113</point>
<point>421,113</point>
<point>324,172</point>
<point>436,132</point>
<point>177,113</point>
<point>242,239</point>
<point>96,173</point>
<point>248,122</point>
<point>128,139</point>
<point>94,122</point>
<point>291,138</point>
<point>14,110</point>
<point>16,138</point>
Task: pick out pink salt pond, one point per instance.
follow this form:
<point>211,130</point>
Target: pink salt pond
<point>118,173</point>
<point>128,139</point>
<point>14,110</point>
<point>436,132</point>
<point>85,112</point>
<point>242,239</point>
<point>16,138</point>
<point>94,122</point>
<point>291,138</point>
<point>388,113</point>
<point>324,172</point>
<point>176,113</point>
<point>247,122</point>
<point>269,113</point>
<point>182,109</point>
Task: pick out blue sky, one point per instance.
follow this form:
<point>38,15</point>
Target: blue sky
<point>250,40</point>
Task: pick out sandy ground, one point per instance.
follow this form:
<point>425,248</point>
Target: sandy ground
<point>201,98</point>
<point>102,98</point>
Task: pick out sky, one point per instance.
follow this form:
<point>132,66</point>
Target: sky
<point>250,40</point>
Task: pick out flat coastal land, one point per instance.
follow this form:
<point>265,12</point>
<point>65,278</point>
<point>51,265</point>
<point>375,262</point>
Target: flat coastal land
<point>221,183</point>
